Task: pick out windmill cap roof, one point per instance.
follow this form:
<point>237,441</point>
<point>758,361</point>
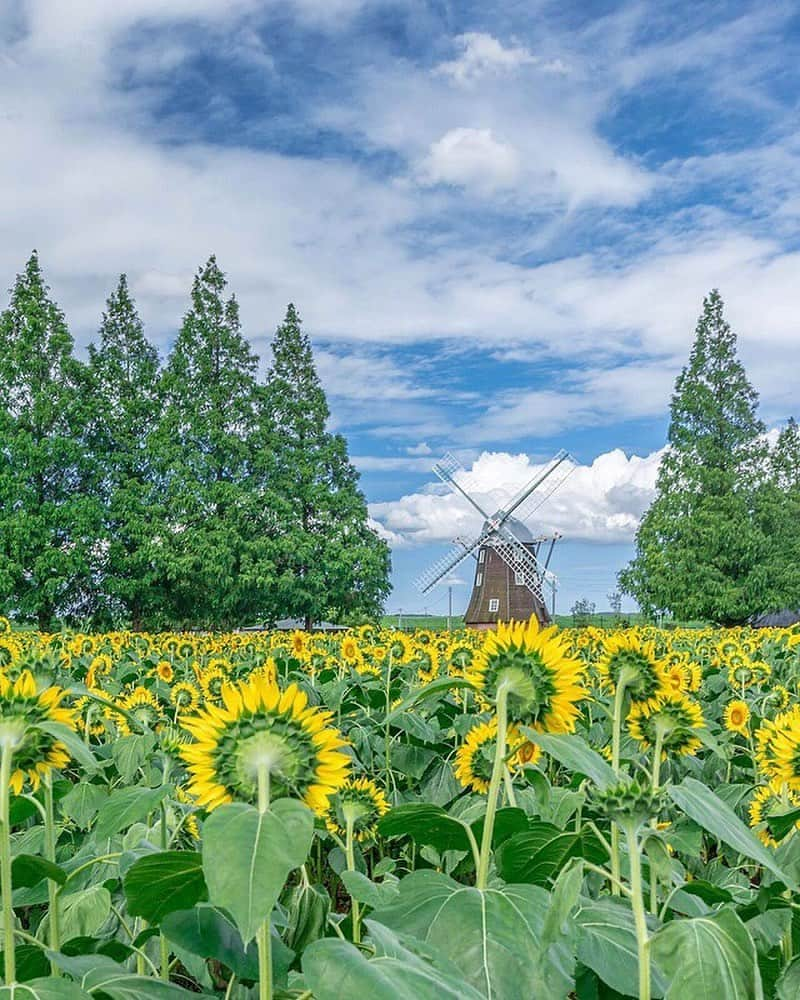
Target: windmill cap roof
<point>521,530</point>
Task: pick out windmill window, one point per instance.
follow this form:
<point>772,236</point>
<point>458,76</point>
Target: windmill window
<point>494,604</point>
<point>479,579</point>
<point>519,579</point>
<point>481,555</point>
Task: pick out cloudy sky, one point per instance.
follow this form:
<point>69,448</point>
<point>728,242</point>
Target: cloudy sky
<point>498,219</point>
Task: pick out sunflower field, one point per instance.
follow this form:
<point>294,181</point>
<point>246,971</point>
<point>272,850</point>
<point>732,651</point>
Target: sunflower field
<point>527,813</point>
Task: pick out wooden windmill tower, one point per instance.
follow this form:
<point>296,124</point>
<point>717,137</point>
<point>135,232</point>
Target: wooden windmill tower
<point>511,568</point>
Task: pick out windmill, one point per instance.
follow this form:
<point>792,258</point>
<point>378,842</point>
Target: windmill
<point>511,568</point>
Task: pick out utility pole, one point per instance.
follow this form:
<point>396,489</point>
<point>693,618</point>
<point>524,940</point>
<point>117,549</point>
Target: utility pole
<point>449,606</point>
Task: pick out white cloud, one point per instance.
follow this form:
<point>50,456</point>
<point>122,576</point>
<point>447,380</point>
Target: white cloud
<point>423,448</point>
<point>482,55</point>
<point>471,157</point>
<point>601,502</point>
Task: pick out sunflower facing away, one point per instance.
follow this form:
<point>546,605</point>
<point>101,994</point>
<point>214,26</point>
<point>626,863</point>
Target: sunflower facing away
<point>675,716</point>
<point>258,726</point>
<point>360,801</point>
<point>545,684</point>
<point>629,660</point>
<point>22,709</point>
<point>771,800</point>
<point>778,748</point>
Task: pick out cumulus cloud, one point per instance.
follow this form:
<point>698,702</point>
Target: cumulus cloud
<point>601,502</point>
<point>472,157</point>
<point>482,54</point>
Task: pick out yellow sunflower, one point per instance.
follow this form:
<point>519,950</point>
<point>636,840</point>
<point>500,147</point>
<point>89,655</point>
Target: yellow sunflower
<point>736,717</point>
<point>143,706</point>
<point>771,800</point>
<point>358,801</point>
<point>259,726</point>
<point>22,711</point>
<point>629,660</point>
<point>671,720</point>
<point>778,748</point>
<point>474,759</point>
<point>184,696</point>
<point>212,680</point>
<point>544,684</point>
<point>164,671</point>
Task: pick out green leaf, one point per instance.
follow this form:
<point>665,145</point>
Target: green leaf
<point>704,807</point>
<point>539,855</point>
<point>780,824</point>
<point>206,931</point>
<point>710,956</point>
<point>160,883</point>
<point>440,685</point>
<point>99,974</point>
<point>427,824</point>
<point>563,900</point>
<point>81,803</point>
<point>82,914</point>
<point>575,754</point>
<point>507,822</point>
<point>248,855</point>
<point>334,969</point>
<point>607,945</point>
<point>371,893</point>
<point>130,752</point>
<point>28,870</point>
<point>78,750</point>
<point>43,989</point>
<point>124,807</point>
<point>493,936</point>
<point>788,986</point>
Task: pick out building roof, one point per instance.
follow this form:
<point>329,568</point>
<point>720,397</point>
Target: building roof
<point>777,619</point>
<point>521,530</point>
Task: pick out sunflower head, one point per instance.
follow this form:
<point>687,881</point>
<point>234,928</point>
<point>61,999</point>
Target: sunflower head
<point>673,720</point>
<point>184,696</point>
<point>543,684</point>
<point>736,717</point>
<point>260,731</point>
<point>769,800</point>
<point>23,708</point>
<point>358,802</point>
<point>143,706</point>
<point>474,759</point>
<point>164,671</point>
<point>628,660</point>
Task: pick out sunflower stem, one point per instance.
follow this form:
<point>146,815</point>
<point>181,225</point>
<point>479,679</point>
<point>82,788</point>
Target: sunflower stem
<point>350,854</point>
<point>163,946</point>
<point>494,785</point>
<point>50,854</point>
<point>639,915</point>
<point>5,865</point>
<point>616,727</point>
<point>508,781</point>
<point>263,938</point>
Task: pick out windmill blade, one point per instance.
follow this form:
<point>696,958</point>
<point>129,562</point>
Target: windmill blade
<point>521,560</point>
<point>434,573</point>
<point>539,497</point>
<point>556,462</point>
<point>446,469</point>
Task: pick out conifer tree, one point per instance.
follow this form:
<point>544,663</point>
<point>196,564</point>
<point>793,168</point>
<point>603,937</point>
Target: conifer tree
<point>49,514</point>
<point>330,562</point>
<point>124,370</point>
<point>701,550</point>
<point>211,553</point>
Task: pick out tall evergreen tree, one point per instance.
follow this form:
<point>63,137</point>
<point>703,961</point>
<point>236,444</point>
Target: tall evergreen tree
<point>126,407</point>
<point>49,516</point>
<point>205,448</point>
<point>778,513</point>
<point>701,550</point>
<point>330,562</point>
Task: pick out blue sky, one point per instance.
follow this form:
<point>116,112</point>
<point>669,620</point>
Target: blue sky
<point>498,220</point>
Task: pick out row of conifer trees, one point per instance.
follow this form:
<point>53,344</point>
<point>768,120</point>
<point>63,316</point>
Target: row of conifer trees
<point>188,492</point>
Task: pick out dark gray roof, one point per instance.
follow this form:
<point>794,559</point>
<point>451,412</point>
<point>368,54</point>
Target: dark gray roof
<point>777,619</point>
<point>522,531</point>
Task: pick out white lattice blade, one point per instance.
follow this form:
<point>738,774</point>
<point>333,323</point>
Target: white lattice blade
<point>541,495</point>
<point>535,482</point>
<point>434,573</point>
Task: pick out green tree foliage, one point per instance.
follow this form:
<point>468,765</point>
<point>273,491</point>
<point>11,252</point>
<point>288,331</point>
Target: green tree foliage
<point>205,448</point>
<point>330,562</point>
<point>707,548</point>
<point>124,371</point>
<point>49,514</point>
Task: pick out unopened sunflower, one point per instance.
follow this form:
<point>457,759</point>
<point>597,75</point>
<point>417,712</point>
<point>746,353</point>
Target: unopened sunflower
<point>360,802</point>
<point>543,683</point>
<point>260,728</point>
<point>22,711</point>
